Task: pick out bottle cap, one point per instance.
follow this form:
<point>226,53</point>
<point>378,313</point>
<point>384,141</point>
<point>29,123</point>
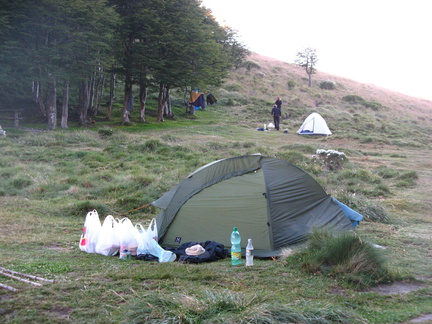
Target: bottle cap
<point>234,229</point>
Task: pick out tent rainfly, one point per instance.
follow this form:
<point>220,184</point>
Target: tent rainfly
<point>269,200</point>
<point>314,124</point>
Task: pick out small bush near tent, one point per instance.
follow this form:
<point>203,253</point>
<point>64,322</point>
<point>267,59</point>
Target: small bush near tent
<point>345,256</point>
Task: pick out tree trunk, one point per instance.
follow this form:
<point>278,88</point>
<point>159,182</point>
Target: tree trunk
<point>65,106</point>
<point>37,92</point>
<point>167,107</point>
<point>310,79</point>
<point>83,102</point>
<point>52,106</point>
<point>127,101</point>
<point>143,99</point>
<point>163,88</point>
<point>186,100</point>
<point>91,95</point>
<point>190,109</point>
<point>100,85</point>
<point>112,95</point>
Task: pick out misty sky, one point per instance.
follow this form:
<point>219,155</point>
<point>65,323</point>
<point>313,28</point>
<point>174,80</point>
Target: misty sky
<point>382,42</point>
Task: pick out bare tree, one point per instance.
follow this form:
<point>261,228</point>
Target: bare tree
<point>308,59</point>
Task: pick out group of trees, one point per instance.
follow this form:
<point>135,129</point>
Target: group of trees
<point>66,51</point>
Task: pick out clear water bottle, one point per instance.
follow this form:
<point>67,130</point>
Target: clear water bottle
<point>249,253</point>
<point>236,256</point>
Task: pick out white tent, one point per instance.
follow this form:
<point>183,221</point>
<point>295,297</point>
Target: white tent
<point>314,124</point>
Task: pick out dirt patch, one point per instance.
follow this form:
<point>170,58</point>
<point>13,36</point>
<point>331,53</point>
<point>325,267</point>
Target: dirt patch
<point>398,288</point>
<point>427,318</point>
<point>58,248</point>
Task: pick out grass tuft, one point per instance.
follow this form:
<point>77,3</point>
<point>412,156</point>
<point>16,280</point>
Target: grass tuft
<point>231,307</point>
<point>346,257</point>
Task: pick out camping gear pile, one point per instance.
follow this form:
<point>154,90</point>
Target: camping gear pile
<point>273,201</point>
<point>120,236</point>
<point>197,99</point>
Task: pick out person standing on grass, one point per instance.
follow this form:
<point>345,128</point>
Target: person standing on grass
<point>277,114</point>
<point>278,103</point>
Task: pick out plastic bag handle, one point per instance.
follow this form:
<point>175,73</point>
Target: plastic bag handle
<point>152,223</point>
<point>139,227</point>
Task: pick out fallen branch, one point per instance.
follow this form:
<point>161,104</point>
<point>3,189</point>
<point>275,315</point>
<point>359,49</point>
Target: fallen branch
<point>26,275</point>
<point>20,279</point>
<point>8,287</point>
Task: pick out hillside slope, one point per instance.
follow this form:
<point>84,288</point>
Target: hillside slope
<point>273,77</point>
<point>262,79</point>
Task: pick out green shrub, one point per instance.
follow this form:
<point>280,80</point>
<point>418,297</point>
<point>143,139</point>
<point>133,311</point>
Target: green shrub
<point>293,157</point>
<point>150,145</point>
<point>21,182</point>
<point>328,85</point>
<point>353,99</point>
<point>345,256</point>
<point>386,173</point>
<point>291,84</point>
<point>372,105</point>
<point>405,183</point>
<point>381,190</point>
<point>249,65</point>
<point>412,175</point>
<point>361,174</point>
<point>105,132</point>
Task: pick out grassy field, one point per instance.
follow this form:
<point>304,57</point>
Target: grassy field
<point>50,180</point>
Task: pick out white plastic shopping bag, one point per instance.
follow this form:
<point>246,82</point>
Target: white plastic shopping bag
<point>152,230</point>
<point>127,236</point>
<point>90,232</point>
<point>164,256</point>
<point>149,245</point>
<point>108,243</point>
<point>142,238</point>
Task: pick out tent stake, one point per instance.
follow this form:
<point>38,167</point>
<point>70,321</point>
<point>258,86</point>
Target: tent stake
<point>8,287</point>
<point>20,279</point>
<point>25,275</point>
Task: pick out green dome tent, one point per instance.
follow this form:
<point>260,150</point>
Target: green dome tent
<point>269,200</point>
